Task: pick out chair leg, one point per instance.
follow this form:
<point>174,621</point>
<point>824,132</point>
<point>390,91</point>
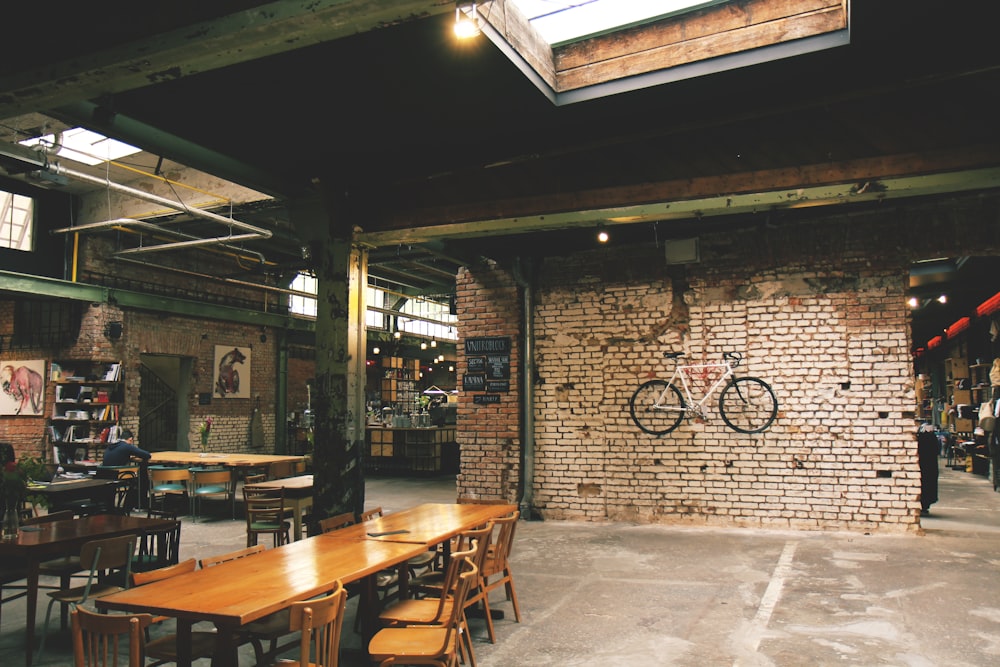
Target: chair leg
<point>512,596</point>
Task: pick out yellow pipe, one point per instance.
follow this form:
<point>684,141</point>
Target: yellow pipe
<point>76,254</point>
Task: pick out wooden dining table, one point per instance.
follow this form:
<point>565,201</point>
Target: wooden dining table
<point>236,460</point>
<point>429,524</point>
<point>234,593</point>
<point>298,497</point>
<point>40,542</point>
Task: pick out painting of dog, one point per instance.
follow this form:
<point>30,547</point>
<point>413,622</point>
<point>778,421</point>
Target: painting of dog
<point>232,364</point>
<point>22,387</point>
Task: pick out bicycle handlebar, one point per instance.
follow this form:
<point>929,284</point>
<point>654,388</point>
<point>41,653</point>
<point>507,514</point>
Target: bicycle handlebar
<point>734,358</point>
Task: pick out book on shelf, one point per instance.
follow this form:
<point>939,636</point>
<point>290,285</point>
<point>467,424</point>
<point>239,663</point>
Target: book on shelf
<point>113,373</point>
<point>54,434</point>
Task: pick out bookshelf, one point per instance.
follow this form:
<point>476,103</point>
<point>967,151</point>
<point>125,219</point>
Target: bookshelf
<point>89,402</point>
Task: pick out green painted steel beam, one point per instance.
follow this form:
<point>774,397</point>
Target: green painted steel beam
<point>36,286</point>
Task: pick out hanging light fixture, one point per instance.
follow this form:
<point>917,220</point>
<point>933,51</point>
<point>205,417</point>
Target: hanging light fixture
<point>466,20</point>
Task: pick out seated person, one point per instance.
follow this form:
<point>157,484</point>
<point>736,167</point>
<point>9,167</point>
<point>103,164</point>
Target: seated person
<point>121,453</point>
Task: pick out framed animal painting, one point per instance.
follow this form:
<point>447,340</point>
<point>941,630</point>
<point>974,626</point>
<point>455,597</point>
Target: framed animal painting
<point>232,372</point>
<point>22,387</point>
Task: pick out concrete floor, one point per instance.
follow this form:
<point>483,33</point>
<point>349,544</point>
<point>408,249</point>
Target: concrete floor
<point>621,594</point>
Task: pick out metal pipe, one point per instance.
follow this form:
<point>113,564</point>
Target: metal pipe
<point>156,199</point>
<point>527,392</point>
<point>153,227</point>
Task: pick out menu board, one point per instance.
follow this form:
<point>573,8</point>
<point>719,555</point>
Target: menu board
<point>487,362</point>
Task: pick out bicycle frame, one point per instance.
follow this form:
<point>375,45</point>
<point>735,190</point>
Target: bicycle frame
<point>681,376</point>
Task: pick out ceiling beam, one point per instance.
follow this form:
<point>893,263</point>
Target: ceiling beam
<point>250,34</point>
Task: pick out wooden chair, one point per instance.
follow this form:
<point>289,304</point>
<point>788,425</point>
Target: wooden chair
<point>426,644</point>
<point>385,580</point>
<point>496,571</point>
<point>167,483</point>
<point>436,610</point>
<point>213,485</point>
<point>266,515</point>
<point>336,521</point>
<point>163,649</point>
<point>209,561</point>
<point>97,637</point>
<point>158,547</point>
<point>271,628</point>
<point>320,622</point>
<point>100,557</point>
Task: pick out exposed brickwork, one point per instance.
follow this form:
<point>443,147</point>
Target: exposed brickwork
<point>146,333</point>
<point>818,310</point>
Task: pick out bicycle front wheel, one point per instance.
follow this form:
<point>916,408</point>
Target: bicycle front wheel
<point>748,405</point>
<point>657,407</point>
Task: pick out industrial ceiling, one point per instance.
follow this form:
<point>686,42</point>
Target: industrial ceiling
<point>448,152</point>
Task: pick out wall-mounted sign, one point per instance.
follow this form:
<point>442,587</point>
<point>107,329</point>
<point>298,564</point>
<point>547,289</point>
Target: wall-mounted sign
<point>498,366</point>
<point>487,345</point>
<point>488,364</point>
<point>498,385</point>
<point>474,382</point>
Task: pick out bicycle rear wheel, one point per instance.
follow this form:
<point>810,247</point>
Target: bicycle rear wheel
<point>657,407</point>
<point>748,405</point>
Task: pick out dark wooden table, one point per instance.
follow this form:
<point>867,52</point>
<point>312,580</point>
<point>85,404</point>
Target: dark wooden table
<point>41,542</point>
<point>62,493</point>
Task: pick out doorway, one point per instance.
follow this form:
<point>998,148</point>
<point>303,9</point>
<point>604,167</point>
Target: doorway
<point>163,417</point>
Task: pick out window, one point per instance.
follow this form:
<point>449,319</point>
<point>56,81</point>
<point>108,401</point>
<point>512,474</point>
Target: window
<point>302,304</point>
<point>17,221</point>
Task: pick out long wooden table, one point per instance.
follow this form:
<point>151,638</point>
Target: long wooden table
<point>429,524</point>
<point>237,592</point>
<point>44,541</point>
<point>235,460</point>
<point>298,496</point>
<point>61,493</point>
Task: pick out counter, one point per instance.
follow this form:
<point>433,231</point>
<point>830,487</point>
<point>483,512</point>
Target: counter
<point>411,450</point>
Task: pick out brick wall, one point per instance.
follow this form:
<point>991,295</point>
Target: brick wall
<point>150,333</point>
<point>817,307</point>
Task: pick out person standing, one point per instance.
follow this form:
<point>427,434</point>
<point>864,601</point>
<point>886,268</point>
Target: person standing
<point>928,447</point>
<point>122,452</point>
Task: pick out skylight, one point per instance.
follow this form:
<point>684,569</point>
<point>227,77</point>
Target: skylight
<point>565,20</point>
<point>85,146</point>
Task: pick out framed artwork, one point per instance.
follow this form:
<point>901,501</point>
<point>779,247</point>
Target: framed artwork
<point>232,372</point>
<point>22,387</point>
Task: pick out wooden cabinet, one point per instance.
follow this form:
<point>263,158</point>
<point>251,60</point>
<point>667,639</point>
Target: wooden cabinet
<point>89,402</point>
<point>411,450</point>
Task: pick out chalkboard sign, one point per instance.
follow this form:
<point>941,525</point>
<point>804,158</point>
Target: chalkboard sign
<point>487,345</point>
<point>498,366</point>
<point>473,382</point>
<point>476,364</point>
<point>498,385</point>
<point>485,399</point>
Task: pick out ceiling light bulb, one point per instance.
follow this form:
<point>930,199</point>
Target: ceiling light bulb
<point>466,24</point>
<point>375,350</point>
<point>434,342</point>
<point>913,302</point>
<point>602,236</point>
<point>423,346</point>
<point>397,334</point>
<point>943,298</point>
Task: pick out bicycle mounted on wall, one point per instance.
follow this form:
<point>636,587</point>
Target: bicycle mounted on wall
<point>746,404</point>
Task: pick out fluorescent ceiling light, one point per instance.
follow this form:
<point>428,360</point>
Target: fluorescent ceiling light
<point>564,20</point>
<point>85,146</point>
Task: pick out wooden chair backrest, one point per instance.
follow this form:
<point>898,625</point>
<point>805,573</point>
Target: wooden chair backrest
<point>185,566</point>
<point>162,475</point>
<point>368,515</point>
<point>112,553</point>
<point>95,637</point>
<point>502,543</point>
<point>209,561</point>
<point>320,621</point>
<point>250,480</point>
<point>213,477</point>
<point>335,522</point>
<point>160,546</point>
